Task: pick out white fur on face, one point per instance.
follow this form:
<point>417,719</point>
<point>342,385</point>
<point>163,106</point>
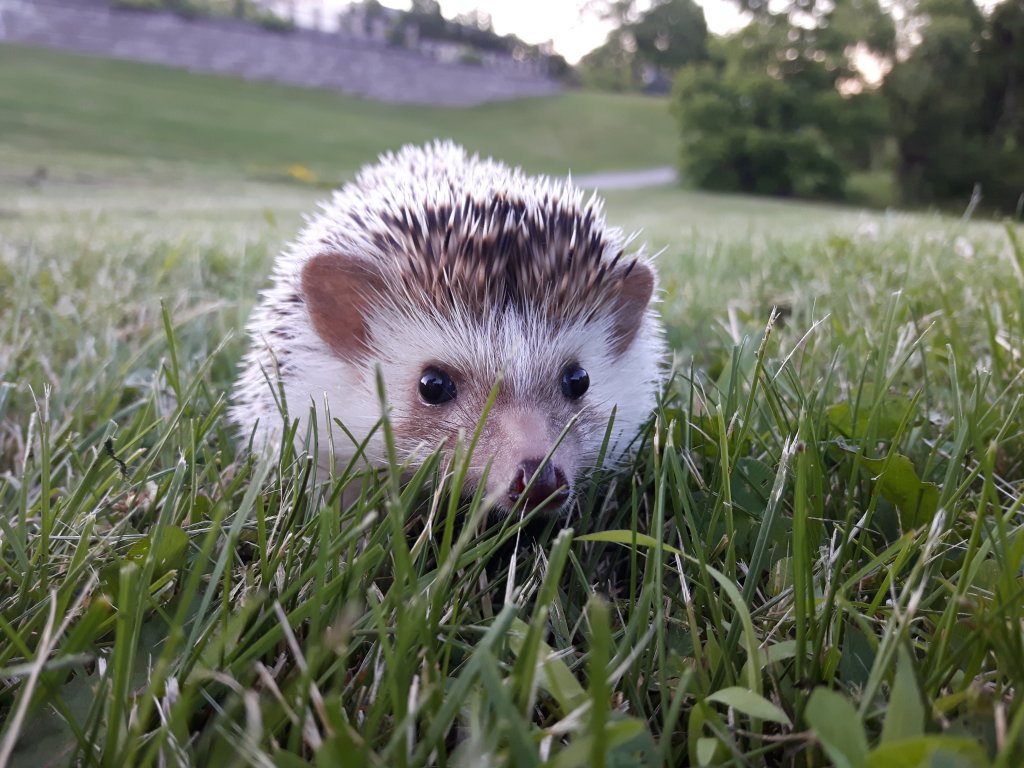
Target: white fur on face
<point>529,415</point>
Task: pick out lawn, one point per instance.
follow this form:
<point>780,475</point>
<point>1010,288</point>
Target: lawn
<point>815,559</point>
<point>97,113</point>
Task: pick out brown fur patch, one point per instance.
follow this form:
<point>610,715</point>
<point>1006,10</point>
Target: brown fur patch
<point>635,290</point>
<point>479,256</point>
<point>338,291</point>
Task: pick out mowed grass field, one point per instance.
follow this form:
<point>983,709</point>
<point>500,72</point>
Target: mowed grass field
<point>78,107</point>
<point>815,558</point>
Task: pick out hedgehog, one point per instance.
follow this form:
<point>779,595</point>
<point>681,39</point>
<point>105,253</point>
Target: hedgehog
<point>450,278</point>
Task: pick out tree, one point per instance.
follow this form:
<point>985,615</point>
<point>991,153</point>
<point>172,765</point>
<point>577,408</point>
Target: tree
<point>783,108</point>
<point>425,7</point>
<point>671,35</point>
<point>752,132</point>
<point>820,49</point>
<point>619,12</point>
<point>648,47</point>
<point>956,105</point>
<point>1001,61</point>
<point>610,67</point>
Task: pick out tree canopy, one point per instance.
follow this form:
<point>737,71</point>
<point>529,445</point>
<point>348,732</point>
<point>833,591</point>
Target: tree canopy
<point>958,106</point>
<point>646,49</point>
<point>783,107</point>
<point>809,91</point>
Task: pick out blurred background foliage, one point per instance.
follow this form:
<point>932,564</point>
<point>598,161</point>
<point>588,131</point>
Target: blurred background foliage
<point>911,102</point>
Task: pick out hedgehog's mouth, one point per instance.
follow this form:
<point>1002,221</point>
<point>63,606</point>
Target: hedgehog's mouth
<point>536,482</point>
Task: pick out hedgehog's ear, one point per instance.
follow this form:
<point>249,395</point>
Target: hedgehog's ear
<point>635,290</point>
<point>339,291</point>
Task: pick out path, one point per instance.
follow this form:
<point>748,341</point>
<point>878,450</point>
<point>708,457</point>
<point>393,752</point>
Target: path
<point>638,179</point>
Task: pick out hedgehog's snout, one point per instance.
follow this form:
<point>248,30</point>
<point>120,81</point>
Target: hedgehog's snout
<point>532,463</point>
<point>548,483</point>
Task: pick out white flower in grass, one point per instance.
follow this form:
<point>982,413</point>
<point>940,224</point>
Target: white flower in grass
<point>963,248</point>
<point>869,230</point>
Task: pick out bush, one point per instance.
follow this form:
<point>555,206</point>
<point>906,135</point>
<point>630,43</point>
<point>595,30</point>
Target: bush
<point>750,132</point>
<point>471,57</point>
<point>138,5</point>
<point>184,8</point>
<point>274,22</point>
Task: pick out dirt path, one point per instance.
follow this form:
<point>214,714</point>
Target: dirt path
<point>647,177</point>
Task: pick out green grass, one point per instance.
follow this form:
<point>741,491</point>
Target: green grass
<point>60,107</point>
<point>876,189</point>
<point>815,559</point>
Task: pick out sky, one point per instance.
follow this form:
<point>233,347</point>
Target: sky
<point>537,21</point>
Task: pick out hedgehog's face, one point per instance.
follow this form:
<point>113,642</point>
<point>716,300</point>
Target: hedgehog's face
<point>548,391</point>
<point>537,435</point>
<point>550,385</point>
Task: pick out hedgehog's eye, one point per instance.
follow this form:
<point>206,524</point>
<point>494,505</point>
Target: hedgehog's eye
<point>575,381</point>
<point>436,386</point>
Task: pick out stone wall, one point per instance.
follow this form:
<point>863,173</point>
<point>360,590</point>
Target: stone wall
<point>334,61</point>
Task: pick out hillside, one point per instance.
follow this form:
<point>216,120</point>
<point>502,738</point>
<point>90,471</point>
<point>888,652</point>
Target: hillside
<point>65,110</point>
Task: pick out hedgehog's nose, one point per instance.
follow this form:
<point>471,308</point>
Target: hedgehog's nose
<point>549,482</point>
